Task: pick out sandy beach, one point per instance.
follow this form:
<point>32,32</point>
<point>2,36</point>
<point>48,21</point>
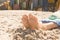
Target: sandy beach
<point>11,27</point>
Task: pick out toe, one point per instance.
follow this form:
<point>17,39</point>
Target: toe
<point>25,17</point>
<point>32,18</point>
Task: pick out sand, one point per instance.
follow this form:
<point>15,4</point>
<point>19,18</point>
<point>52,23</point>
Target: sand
<point>11,27</point>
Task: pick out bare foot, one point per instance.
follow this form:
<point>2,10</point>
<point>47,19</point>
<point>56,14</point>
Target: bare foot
<point>25,21</point>
<point>33,21</point>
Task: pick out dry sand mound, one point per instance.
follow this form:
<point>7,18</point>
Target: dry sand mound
<point>11,27</point>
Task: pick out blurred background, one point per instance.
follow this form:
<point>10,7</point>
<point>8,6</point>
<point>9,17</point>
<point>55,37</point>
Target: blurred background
<point>37,5</point>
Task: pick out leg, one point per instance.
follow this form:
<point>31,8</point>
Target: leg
<point>48,26</point>
<point>33,21</point>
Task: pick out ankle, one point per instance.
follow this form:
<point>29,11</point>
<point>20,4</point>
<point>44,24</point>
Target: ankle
<point>40,25</point>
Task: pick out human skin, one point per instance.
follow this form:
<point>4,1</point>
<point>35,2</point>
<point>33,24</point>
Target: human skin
<point>35,25</point>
